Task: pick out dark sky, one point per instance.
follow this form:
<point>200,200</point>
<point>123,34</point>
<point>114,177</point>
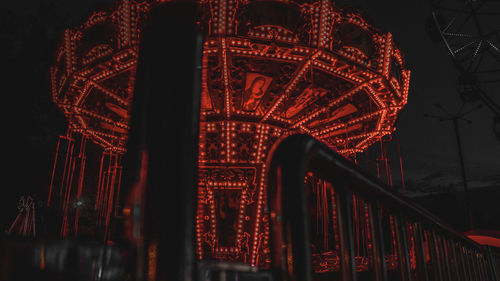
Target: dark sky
<point>428,146</point>
<point>29,31</point>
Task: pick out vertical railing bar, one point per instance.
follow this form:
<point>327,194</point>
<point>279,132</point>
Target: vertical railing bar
<point>402,248</point>
<point>295,223</point>
<point>491,265</point>
<point>476,263</point>
<point>463,261</point>
<point>497,266</point>
<point>434,251</point>
<point>442,255</point>
<point>472,257</point>
<point>485,265</point>
<point>446,258</point>
<point>452,261</point>
<point>480,270</point>
<point>466,263</point>
<point>378,242</point>
<point>420,253</point>
<point>484,269</point>
<point>480,266</point>
<point>494,264</point>
<point>460,268</point>
<point>490,273</point>
<point>470,260</point>
<point>348,265</point>
<point>487,272</point>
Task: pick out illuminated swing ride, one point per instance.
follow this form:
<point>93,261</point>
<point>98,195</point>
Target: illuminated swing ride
<point>270,69</point>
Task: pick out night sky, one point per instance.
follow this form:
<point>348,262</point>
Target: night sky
<point>30,30</point>
<point>429,147</point>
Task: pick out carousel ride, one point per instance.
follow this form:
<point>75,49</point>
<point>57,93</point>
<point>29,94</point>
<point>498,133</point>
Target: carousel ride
<point>270,69</point>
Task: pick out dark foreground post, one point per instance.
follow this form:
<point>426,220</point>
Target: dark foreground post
<point>162,156</point>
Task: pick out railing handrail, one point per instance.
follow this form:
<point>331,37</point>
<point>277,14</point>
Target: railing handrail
<point>292,156</point>
<point>306,146</point>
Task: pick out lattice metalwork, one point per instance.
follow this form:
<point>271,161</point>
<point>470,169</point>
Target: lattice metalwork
<point>470,30</point>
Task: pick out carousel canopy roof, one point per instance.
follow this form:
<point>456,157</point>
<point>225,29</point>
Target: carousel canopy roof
<point>307,66</point>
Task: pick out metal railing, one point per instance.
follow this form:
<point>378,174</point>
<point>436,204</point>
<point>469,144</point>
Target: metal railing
<point>341,223</point>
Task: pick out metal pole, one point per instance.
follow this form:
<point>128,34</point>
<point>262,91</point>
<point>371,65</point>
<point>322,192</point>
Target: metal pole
<point>455,118</point>
<point>464,177</point>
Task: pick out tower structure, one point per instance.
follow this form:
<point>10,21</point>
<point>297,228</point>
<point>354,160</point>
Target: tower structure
<point>270,69</point>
